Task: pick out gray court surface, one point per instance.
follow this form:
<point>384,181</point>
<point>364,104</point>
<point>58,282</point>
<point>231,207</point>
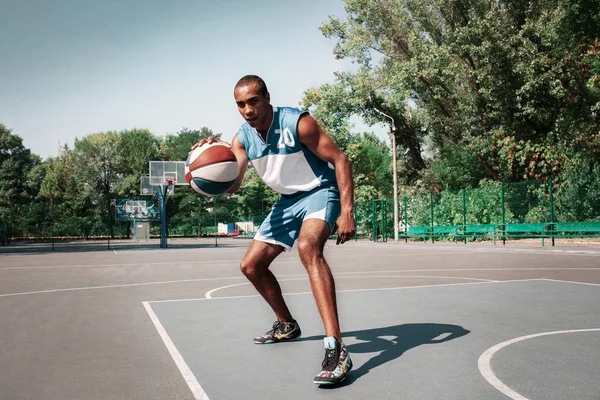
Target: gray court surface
<point>422,321</point>
<point>412,343</point>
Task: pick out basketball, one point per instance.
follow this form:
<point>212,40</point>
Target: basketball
<point>211,169</point>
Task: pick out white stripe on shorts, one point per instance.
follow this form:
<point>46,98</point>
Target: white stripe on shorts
<point>317,215</point>
<point>261,238</point>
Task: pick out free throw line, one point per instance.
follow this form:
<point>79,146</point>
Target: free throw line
<point>209,294</point>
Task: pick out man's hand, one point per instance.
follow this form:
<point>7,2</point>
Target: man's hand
<point>209,141</point>
<point>345,227</point>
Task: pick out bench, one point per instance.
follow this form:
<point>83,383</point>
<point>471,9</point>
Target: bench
<point>419,231</point>
<point>529,230</point>
<point>445,231</point>
<point>476,231</point>
<point>577,229</point>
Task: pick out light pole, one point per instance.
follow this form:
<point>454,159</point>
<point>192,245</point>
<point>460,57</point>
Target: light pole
<point>394,167</point>
<point>215,213</point>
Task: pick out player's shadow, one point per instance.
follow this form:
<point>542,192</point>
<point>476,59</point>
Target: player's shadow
<point>393,341</point>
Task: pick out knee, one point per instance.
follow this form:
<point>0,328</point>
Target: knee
<point>249,268</point>
<point>309,250</point>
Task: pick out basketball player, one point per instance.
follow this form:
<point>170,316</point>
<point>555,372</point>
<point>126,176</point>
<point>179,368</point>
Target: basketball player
<point>297,159</point>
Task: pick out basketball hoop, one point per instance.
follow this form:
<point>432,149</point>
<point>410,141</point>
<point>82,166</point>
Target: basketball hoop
<point>163,177</point>
<point>169,186</point>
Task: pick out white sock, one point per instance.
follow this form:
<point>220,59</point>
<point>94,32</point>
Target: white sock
<point>330,342</point>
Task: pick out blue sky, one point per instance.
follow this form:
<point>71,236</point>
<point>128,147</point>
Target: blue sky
<point>74,67</point>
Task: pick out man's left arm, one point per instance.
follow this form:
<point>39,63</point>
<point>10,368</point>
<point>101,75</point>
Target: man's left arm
<point>317,141</point>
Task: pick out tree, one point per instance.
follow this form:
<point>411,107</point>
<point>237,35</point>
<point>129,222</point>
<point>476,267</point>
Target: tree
<point>65,195</point>
<point>371,167</point>
<point>175,147</point>
<point>36,215</point>
<point>15,163</point>
<point>136,147</point>
<point>513,84</point>
<point>254,197</point>
<point>81,183</point>
<point>186,209</point>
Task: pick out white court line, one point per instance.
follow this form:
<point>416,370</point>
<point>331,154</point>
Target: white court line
<point>468,269</point>
<point>139,264</point>
<point>137,284</point>
<point>170,263</point>
<point>208,294</point>
<point>192,263</point>
<point>193,382</point>
<point>115,251</point>
<point>578,283</point>
<point>293,259</point>
<point>484,362</point>
<point>293,275</point>
<point>113,286</point>
<point>350,290</point>
<point>436,248</point>
<point>188,375</point>
<point>455,248</point>
<point>500,249</point>
<point>203,247</point>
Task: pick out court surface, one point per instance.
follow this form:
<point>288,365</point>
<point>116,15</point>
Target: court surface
<point>421,321</point>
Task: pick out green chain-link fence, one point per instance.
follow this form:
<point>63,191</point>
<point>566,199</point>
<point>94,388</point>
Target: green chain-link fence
<point>548,209</point>
<point>568,207</point>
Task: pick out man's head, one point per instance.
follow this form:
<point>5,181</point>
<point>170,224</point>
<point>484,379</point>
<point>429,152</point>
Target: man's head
<point>254,102</point>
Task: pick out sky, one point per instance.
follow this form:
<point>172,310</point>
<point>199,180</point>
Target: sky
<point>69,68</point>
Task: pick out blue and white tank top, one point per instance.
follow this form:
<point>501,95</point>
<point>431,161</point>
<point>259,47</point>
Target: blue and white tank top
<point>282,162</point>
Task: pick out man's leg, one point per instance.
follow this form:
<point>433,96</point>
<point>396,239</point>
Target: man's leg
<point>337,362</point>
<point>255,266</point>
<point>313,235</point>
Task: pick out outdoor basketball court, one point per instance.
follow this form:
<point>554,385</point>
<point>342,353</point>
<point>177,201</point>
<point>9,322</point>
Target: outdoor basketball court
<point>421,321</point>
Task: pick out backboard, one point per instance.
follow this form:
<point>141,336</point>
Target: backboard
<point>136,208</point>
<point>146,189</point>
<point>163,171</point>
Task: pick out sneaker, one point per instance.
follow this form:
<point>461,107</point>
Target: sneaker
<point>281,332</point>
<point>336,365</point>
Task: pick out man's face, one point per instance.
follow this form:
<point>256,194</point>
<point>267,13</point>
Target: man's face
<point>252,105</point>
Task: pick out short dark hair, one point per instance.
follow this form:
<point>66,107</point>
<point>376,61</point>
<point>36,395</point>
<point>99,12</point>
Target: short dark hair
<point>248,79</point>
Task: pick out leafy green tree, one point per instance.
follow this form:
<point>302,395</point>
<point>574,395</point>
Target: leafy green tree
<point>254,197</point>
<point>332,107</point>
<point>96,157</point>
<point>61,189</point>
<point>37,213</point>
<point>455,168</point>
<point>186,209</point>
<point>136,147</point>
<point>175,147</point>
<point>576,193</point>
<point>371,167</point>
<point>512,83</point>
<point>358,95</point>
<point>15,163</point>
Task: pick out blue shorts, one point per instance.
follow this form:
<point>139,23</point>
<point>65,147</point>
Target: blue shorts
<point>282,225</point>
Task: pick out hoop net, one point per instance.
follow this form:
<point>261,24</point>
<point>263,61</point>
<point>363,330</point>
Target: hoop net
<point>170,182</point>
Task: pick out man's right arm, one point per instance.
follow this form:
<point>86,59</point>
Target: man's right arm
<point>242,160</point>
<point>240,154</point>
